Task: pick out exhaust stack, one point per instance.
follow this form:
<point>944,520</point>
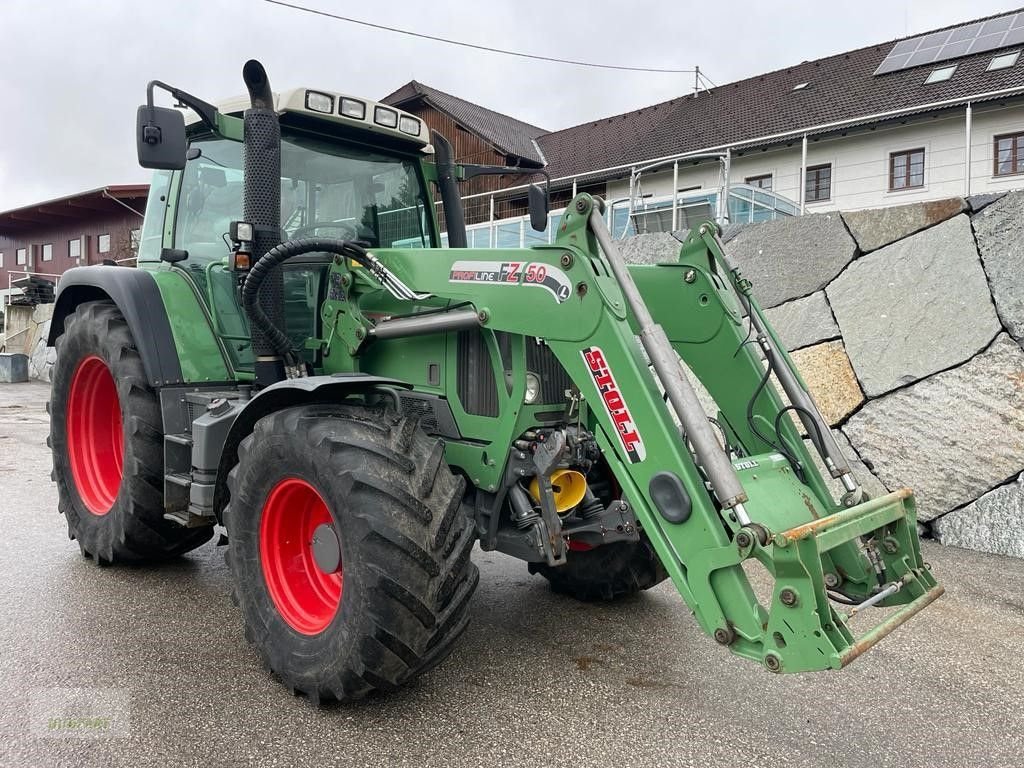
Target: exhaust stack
<point>261,206</point>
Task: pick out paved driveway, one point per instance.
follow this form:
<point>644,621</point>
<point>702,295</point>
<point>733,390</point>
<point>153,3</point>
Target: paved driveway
<point>538,680</point>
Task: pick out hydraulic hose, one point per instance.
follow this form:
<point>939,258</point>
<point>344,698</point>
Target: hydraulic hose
<point>274,258</point>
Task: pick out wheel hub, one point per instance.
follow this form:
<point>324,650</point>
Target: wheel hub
<point>326,548</point>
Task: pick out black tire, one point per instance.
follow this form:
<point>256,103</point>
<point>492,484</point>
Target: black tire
<point>607,572</point>
<point>133,528</point>
<point>405,547</point>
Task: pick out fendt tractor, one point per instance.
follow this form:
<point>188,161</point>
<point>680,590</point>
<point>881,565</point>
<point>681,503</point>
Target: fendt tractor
<point>297,362</point>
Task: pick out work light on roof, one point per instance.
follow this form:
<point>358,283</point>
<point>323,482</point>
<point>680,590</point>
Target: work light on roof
<point>409,125</point>
<point>320,102</point>
<point>386,117</point>
<point>353,108</point>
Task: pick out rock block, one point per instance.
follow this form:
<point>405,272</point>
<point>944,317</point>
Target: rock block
<point>993,523</point>
<point>915,307</point>
<point>1000,232</point>
<point>792,257</point>
<point>878,227</point>
<point>830,379</point>
<point>950,437</point>
<point>803,322</point>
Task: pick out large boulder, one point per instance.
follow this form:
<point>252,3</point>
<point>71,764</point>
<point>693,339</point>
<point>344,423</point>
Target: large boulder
<point>915,307</point>
<point>792,257</point>
<point>993,523</point>
<point>830,379</point>
<point>1000,232</point>
<point>878,227</point>
<point>803,322</point>
<point>951,437</point>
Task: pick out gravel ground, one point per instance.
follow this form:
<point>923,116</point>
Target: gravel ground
<point>537,680</point>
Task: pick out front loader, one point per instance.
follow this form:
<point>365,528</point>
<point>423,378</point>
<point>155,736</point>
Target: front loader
<point>297,360</point>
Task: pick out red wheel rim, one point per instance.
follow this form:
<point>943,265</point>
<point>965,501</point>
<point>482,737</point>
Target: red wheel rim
<point>306,597</point>
<point>95,435</point>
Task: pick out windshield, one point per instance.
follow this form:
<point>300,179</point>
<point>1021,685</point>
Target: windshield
<point>326,189</point>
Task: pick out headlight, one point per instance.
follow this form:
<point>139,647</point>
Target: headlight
<point>319,102</point>
<point>386,117</point>
<point>532,389</point>
<point>409,125</point>
<point>354,109</point>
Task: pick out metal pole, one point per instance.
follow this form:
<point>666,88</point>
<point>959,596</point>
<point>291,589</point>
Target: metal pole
<point>723,207</point>
<point>802,181</point>
<point>675,195</point>
<point>491,234</point>
<point>574,187</point>
<point>968,116</point>
<point>697,428</point>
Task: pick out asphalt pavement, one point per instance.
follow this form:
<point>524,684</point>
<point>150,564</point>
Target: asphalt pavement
<point>537,680</point>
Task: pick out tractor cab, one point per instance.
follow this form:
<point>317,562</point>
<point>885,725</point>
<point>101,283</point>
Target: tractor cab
<point>351,169</point>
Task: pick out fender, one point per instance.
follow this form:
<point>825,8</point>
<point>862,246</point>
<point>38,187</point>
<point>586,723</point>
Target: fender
<point>136,295</point>
<point>210,452</point>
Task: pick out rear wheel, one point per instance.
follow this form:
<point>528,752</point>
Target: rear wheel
<point>606,572</point>
<point>350,552</point>
<point>107,444</point>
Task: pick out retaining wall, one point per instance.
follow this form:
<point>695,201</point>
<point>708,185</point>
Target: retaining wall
<point>907,324</point>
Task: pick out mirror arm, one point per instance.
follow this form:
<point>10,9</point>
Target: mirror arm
<point>206,111</point>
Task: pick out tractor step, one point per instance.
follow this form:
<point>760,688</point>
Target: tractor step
<point>187,519</point>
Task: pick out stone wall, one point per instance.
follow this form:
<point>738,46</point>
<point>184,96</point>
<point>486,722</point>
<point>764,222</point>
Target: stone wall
<point>25,332</point>
<point>908,325</point>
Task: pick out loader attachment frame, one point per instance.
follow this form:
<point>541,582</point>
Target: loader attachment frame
<point>619,332</point>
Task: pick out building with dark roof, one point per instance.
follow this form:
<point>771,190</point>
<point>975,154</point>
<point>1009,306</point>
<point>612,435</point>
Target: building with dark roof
<point>920,118</point>
<point>49,238</point>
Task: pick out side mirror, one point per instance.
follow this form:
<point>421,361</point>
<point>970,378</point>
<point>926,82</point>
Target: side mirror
<point>161,138</point>
<point>539,205</point>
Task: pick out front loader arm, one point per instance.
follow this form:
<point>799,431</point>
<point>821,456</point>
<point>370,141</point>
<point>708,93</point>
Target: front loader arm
<point>702,526</point>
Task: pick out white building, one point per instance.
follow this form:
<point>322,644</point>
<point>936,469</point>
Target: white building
<point>927,117</point>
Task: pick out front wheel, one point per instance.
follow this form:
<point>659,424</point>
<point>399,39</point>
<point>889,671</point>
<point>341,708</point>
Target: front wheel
<point>350,552</point>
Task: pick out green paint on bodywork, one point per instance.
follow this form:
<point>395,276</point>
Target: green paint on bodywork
<point>199,352</point>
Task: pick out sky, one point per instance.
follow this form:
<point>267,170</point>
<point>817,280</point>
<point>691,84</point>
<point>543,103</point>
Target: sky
<point>73,73</point>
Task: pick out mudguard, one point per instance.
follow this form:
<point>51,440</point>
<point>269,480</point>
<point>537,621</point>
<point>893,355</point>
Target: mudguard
<point>137,296</point>
<point>284,394</point>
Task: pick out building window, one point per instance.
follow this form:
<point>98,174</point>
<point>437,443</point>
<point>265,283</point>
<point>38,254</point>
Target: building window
<point>940,75</point>
<point>21,257</point>
<point>1003,61</point>
<point>1009,154</point>
<point>761,182</point>
<point>48,252</point>
<point>1,259</point>
<point>75,249</point>
<point>103,243</point>
<point>906,169</point>
<point>819,183</point>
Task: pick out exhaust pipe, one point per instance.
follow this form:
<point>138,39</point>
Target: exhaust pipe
<point>261,207</point>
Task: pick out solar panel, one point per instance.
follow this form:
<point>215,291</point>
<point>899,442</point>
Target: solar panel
<point>978,37</point>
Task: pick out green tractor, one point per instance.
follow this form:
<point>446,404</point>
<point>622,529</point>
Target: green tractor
<point>298,361</point>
